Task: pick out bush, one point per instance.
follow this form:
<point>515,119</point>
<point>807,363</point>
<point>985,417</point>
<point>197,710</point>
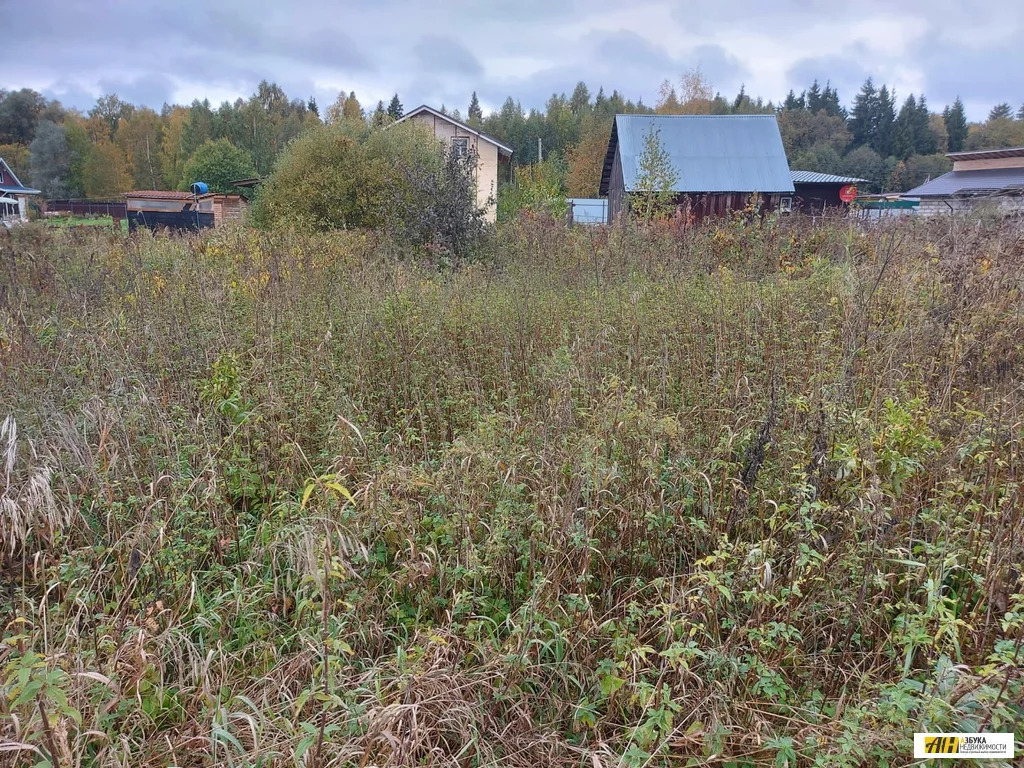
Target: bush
<point>218,163</point>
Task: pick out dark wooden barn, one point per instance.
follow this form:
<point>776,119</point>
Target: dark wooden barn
<point>721,162</point>
<point>817,192</point>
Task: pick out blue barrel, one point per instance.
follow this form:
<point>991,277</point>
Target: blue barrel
<point>199,188</point>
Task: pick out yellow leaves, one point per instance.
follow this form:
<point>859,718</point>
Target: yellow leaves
<point>327,482</point>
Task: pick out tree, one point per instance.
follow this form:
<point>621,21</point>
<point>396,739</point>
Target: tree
<point>311,105</point>
<point>864,117</point>
<point>1020,112</point>
<point>885,121</point>
<point>104,174</point>
<point>50,159</point>
<point>904,138</point>
<point>352,109</point>
<point>865,163</point>
<point>474,114</point>
<point>217,163</point>
<point>800,130</point>
<point>653,191</point>
<point>821,157</point>
<point>579,102</point>
<point>955,119</point>
<point>395,110</point>
<point>110,110</point>
<point>380,115</point>
<point>585,160</point>
<point>138,137</point>
<point>18,157</point>
<point>1000,111</point>
<point>794,102</point>
<point>537,189</point>
<point>695,96</point>
<point>19,113</point>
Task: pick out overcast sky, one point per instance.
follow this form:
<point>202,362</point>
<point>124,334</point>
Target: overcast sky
<point>438,52</point>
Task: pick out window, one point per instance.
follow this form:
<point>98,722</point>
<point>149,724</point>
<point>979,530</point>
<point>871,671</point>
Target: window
<point>786,205</point>
<point>460,146</point>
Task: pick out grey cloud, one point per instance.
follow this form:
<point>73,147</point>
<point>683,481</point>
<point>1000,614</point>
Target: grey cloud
<point>437,53</point>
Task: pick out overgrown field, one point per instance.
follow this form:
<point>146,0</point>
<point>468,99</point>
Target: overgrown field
<point>739,496</point>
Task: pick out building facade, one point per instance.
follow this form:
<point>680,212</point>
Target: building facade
<point>463,139</point>
<point>721,163</point>
<point>990,179</point>
<point>14,196</point>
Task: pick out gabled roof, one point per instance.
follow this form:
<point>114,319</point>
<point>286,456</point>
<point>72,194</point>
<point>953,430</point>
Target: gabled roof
<point>502,148</point>
<point>813,177</point>
<point>17,188</point>
<point>989,181</point>
<point>710,153</point>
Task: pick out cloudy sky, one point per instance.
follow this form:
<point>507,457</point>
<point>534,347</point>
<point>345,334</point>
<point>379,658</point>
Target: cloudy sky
<point>438,51</point>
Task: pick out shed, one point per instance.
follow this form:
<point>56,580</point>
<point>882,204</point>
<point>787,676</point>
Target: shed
<point>721,161</point>
<point>992,178</point>
<point>814,192</point>
<point>183,211</point>
<point>13,196</point>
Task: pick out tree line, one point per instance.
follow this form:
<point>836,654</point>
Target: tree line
<point>116,146</point>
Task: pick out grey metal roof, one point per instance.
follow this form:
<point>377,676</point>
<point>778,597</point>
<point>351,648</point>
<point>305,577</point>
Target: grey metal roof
<point>813,177</point>
<point>988,181</point>
<point>987,154</point>
<point>710,153</point>
<point>9,188</point>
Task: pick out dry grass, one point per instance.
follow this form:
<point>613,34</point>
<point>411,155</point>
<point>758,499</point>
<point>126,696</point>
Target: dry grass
<point>742,495</point>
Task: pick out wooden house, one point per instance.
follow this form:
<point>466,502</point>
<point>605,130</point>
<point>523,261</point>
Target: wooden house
<point>462,139</point>
<point>721,162</point>
<point>13,196</point>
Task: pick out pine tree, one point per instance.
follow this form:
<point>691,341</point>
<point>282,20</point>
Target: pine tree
<point>311,105</point>
<point>794,102</point>
<point>579,102</point>
<point>1000,111</point>
<point>864,117</point>
<point>885,121</point>
<point>830,101</point>
<point>474,114</point>
<point>1020,112</point>
<point>814,101</point>
<point>395,111</point>
<point>956,125</point>
<point>925,140</point>
<point>904,140</point>
<point>380,115</point>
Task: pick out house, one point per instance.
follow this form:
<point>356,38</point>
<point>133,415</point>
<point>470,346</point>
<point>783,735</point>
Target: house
<point>720,162</point>
<point>13,196</point>
<point>990,177</point>
<point>183,211</point>
<point>462,139</point>
<point>814,192</point>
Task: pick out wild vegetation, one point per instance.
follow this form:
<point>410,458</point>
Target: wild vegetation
<point>743,494</point>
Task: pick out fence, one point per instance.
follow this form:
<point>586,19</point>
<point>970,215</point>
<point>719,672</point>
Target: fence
<point>116,209</point>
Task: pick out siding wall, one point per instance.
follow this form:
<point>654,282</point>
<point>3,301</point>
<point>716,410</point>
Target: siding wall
<point>487,159</point>
<point>616,190</point>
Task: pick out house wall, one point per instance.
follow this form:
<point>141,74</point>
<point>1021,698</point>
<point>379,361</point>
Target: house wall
<point>816,197</point>
<point>486,163</point>
<point>983,165</point>
<point>941,206</point>
<point>616,190</point>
